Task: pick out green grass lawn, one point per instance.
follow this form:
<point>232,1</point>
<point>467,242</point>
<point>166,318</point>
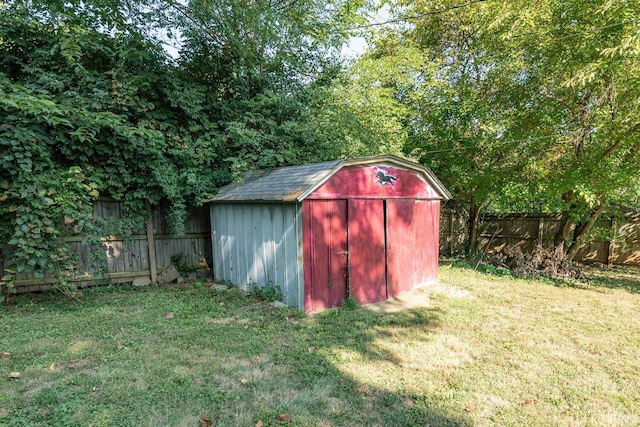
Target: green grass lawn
<point>484,351</point>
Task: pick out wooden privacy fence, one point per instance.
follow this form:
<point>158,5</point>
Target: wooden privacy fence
<point>525,231</point>
<point>149,251</point>
<point>143,254</point>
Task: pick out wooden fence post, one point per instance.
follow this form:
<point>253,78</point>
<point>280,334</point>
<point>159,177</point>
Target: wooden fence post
<point>451,233</point>
<point>540,230</point>
<point>152,245</point>
<point>611,244</point>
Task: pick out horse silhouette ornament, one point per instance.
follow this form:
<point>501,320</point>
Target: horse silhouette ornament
<point>383,178</point>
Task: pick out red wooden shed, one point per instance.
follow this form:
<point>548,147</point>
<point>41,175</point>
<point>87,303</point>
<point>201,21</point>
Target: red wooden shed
<point>367,228</point>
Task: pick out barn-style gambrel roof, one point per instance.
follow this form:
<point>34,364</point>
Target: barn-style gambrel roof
<point>295,183</point>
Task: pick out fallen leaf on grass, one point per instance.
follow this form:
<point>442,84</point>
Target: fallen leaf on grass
<point>255,359</point>
<point>244,381</point>
<point>205,422</point>
<point>283,417</point>
<point>169,315</point>
<point>52,367</point>
<point>286,344</point>
<point>259,424</point>
<point>14,375</point>
<point>312,349</point>
<point>6,354</point>
<point>529,402</point>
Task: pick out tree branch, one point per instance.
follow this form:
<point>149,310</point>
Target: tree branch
<point>421,15</point>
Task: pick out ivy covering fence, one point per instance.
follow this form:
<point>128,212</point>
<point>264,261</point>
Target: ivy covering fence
<point>144,253</point>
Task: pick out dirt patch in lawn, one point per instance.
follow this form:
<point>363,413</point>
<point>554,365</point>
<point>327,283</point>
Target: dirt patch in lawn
<point>403,302</point>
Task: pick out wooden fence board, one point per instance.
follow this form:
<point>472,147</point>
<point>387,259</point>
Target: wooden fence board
<point>525,231</point>
<point>124,259</point>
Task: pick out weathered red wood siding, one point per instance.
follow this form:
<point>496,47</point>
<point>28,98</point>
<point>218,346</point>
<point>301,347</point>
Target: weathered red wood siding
<point>367,253</point>
<point>374,182</point>
<point>386,219</point>
<point>324,240</point>
<point>412,243</point>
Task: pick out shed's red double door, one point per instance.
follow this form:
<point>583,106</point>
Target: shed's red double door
<point>370,249</point>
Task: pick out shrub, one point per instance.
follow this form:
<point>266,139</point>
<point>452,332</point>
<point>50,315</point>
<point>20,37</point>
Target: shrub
<point>267,292</point>
<point>541,262</point>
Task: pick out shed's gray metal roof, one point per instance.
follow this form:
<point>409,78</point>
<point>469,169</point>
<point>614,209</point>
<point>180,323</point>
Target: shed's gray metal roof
<point>284,184</point>
<point>294,183</point>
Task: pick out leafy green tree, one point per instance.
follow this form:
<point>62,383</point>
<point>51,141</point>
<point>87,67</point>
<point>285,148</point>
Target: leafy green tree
<point>448,101</point>
<point>268,66</point>
<point>92,106</point>
<point>525,104</point>
<point>365,113</point>
<point>588,63</point>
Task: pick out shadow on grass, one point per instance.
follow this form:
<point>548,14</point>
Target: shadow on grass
<point>355,331</point>
<point>594,278</point>
<point>224,355</point>
<point>618,277</point>
<point>624,278</point>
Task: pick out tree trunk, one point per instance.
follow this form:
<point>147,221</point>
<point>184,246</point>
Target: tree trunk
<point>583,232</point>
<point>579,229</point>
<point>562,235</point>
<point>474,215</point>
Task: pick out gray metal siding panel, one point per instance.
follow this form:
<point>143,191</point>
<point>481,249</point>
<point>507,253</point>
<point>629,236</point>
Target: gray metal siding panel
<point>229,253</point>
<point>220,240</point>
<point>215,250</point>
<point>290,252</point>
<point>278,248</point>
<point>256,257</point>
<point>244,252</point>
<point>260,244</point>
<point>299,255</point>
